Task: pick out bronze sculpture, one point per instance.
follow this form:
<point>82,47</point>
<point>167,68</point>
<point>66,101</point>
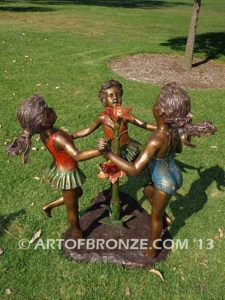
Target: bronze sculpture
<point>36,117</point>
<point>114,120</point>
<point>174,127</point>
<point>173,118</point>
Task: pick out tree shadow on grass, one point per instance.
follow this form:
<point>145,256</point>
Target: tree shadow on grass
<point>22,9</point>
<point>185,206</point>
<point>111,3</point>
<point>7,219</point>
<point>212,44</point>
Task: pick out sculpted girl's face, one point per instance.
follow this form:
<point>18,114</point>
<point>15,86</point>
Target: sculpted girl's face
<point>112,97</point>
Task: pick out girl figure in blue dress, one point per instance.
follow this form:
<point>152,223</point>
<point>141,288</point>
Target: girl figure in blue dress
<point>173,117</point>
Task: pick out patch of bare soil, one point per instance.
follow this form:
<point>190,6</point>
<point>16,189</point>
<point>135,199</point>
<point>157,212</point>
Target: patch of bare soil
<point>161,69</point>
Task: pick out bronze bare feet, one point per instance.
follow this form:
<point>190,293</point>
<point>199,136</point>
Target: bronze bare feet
<point>151,252</point>
<point>47,211</point>
<point>76,233</point>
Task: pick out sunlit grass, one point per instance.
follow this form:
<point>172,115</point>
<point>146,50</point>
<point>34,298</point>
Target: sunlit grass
<point>61,51</point>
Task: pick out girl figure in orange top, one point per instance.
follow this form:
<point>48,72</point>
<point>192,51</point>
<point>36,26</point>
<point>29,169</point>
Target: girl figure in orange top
<point>36,117</point>
<point>110,94</point>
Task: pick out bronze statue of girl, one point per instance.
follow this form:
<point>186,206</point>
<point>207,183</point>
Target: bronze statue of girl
<point>173,116</point>
<point>110,95</point>
<point>36,117</point>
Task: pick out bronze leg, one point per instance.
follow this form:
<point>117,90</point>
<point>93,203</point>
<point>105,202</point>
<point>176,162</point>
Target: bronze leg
<point>159,203</point>
<point>48,207</point>
<point>148,193</point>
<point>71,202</point>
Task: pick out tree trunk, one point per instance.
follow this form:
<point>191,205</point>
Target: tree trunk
<point>191,36</point>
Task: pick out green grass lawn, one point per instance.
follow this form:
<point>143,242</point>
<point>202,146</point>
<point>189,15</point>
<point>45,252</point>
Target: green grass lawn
<point>60,49</point>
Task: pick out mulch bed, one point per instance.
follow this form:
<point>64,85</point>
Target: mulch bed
<point>160,69</point>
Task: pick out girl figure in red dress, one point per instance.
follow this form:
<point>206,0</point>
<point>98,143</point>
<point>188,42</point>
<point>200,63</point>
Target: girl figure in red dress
<point>36,117</point>
<point>110,94</point>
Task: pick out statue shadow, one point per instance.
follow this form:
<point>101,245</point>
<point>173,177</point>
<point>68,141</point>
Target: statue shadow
<point>185,206</point>
<point>134,184</point>
<point>212,44</point>
<point>5,220</point>
<point>145,4</point>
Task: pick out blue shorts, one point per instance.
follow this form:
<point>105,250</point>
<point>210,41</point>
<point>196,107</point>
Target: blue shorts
<point>165,174</point>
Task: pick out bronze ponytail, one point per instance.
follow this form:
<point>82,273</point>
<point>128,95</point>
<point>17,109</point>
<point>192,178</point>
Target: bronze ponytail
<point>175,103</point>
<point>33,119</point>
<point>203,128</point>
<point>21,145</point>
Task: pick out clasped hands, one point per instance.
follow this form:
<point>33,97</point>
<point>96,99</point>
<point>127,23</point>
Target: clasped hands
<point>103,145</point>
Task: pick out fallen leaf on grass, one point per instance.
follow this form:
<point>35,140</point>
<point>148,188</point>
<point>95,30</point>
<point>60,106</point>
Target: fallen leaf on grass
<point>35,236</point>
<point>204,263</point>
<point>219,235</point>
<point>80,291</point>
<point>64,129</point>
<point>37,178</point>
<point>127,291</point>
<point>158,273</point>
<point>1,251</point>
<point>7,141</point>
<point>32,204</point>
<point>8,291</point>
<point>77,93</point>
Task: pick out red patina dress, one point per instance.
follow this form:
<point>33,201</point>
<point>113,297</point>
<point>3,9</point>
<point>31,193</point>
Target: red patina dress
<point>65,173</point>
<point>129,148</point>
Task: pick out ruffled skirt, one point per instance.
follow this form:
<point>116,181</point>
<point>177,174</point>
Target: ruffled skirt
<point>131,150</point>
<point>62,179</point>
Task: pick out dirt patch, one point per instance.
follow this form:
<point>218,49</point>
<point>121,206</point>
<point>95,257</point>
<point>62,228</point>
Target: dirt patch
<point>161,69</point>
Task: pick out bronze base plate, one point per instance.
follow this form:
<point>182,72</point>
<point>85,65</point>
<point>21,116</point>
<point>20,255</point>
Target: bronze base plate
<point>134,230</point>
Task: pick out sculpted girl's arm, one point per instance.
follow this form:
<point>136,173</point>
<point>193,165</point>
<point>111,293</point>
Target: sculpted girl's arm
<point>142,124</point>
<point>186,140</point>
<point>142,160</point>
<point>86,131</point>
<point>71,149</point>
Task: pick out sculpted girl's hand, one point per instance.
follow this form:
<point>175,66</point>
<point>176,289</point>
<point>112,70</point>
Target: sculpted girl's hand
<point>74,136</point>
<point>102,145</point>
